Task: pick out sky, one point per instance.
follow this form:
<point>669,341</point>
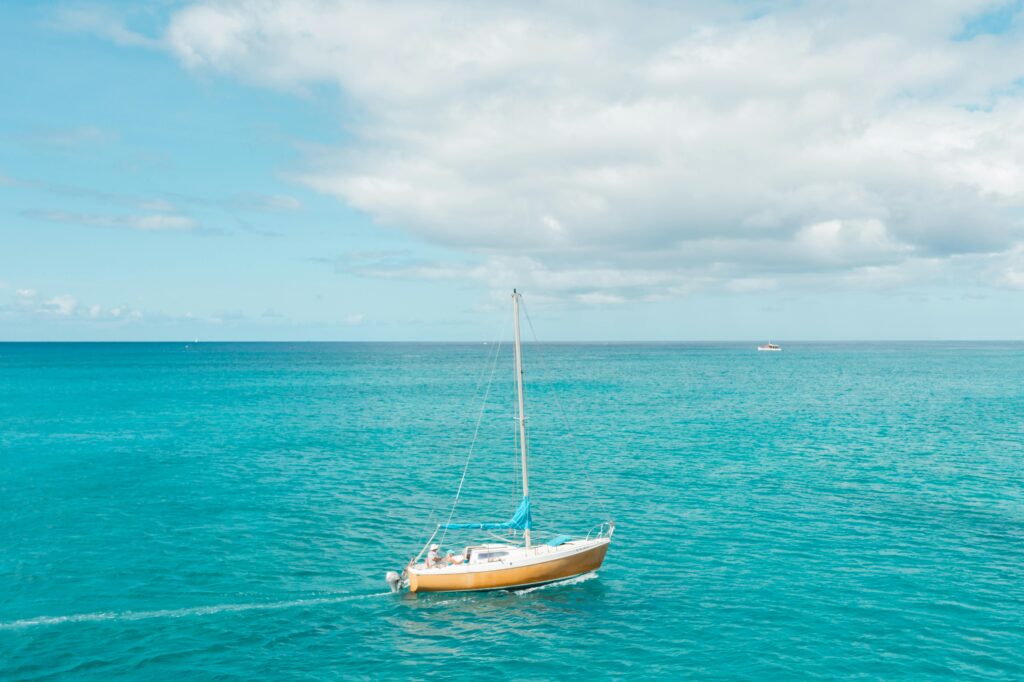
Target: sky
<point>312,170</point>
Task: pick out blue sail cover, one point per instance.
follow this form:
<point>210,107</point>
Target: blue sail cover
<point>520,521</point>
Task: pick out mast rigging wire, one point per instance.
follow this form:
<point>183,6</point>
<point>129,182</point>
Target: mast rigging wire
<point>472,445</point>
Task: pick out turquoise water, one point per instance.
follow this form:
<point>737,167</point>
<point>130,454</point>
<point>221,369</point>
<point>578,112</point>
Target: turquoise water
<point>227,511</point>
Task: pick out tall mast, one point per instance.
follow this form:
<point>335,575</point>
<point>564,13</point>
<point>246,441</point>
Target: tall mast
<point>522,403</point>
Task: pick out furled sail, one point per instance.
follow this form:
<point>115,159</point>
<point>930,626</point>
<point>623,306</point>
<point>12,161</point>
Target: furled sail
<point>520,521</point>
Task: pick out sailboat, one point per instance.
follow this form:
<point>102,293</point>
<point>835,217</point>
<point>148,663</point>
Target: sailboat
<point>509,564</point>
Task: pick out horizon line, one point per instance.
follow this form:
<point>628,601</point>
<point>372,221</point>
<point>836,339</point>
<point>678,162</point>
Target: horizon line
<point>534,342</point>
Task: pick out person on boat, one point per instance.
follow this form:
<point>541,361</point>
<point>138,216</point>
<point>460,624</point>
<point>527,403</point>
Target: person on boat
<point>433,556</point>
<point>451,558</point>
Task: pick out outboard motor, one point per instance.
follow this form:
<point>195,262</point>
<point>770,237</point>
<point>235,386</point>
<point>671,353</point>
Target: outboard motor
<point>394,580</point>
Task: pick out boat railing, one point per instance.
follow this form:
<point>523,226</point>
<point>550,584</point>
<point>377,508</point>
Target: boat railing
<point>601,530</point>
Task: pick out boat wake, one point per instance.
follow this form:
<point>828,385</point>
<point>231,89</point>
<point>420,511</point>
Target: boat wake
<point>124,616</point>
<point>559,583</point>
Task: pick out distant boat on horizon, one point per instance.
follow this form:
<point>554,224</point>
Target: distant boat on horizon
<point>770,347</point>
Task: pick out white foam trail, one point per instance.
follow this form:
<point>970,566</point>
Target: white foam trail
<point>561,583</point>
<point>178,613</point>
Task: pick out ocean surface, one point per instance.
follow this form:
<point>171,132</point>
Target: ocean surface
<point>228,511</point>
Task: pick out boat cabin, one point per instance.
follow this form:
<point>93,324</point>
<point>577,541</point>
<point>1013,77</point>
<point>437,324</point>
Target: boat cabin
<point>481,554</point>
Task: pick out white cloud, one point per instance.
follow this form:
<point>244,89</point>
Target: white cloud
<point>72,137</point>
<point>157,222</point>
<point>848,241</point>
<point>151,222</point>
<point>100,21</point>
<point>600,298</point>
<point>157,205</point>
<point>638,150</point>
<point>29,304</point>
<point>1014,279</point>
<point>62,306</point>
<point>751,284</point>
<point>271,202</point>
<point>1007,270</point>
<point>561,283</point>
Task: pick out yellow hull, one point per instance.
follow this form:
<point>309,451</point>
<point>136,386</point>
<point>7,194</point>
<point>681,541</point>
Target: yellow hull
<point>505,578</point>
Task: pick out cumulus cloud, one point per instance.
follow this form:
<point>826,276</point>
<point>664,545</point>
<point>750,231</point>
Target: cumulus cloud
<point>649,149</point>
<point>856,242</point>
<point>1007,270</point>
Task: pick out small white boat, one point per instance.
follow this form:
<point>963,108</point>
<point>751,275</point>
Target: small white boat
<point>516,561</point>
<point>774,347</point>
